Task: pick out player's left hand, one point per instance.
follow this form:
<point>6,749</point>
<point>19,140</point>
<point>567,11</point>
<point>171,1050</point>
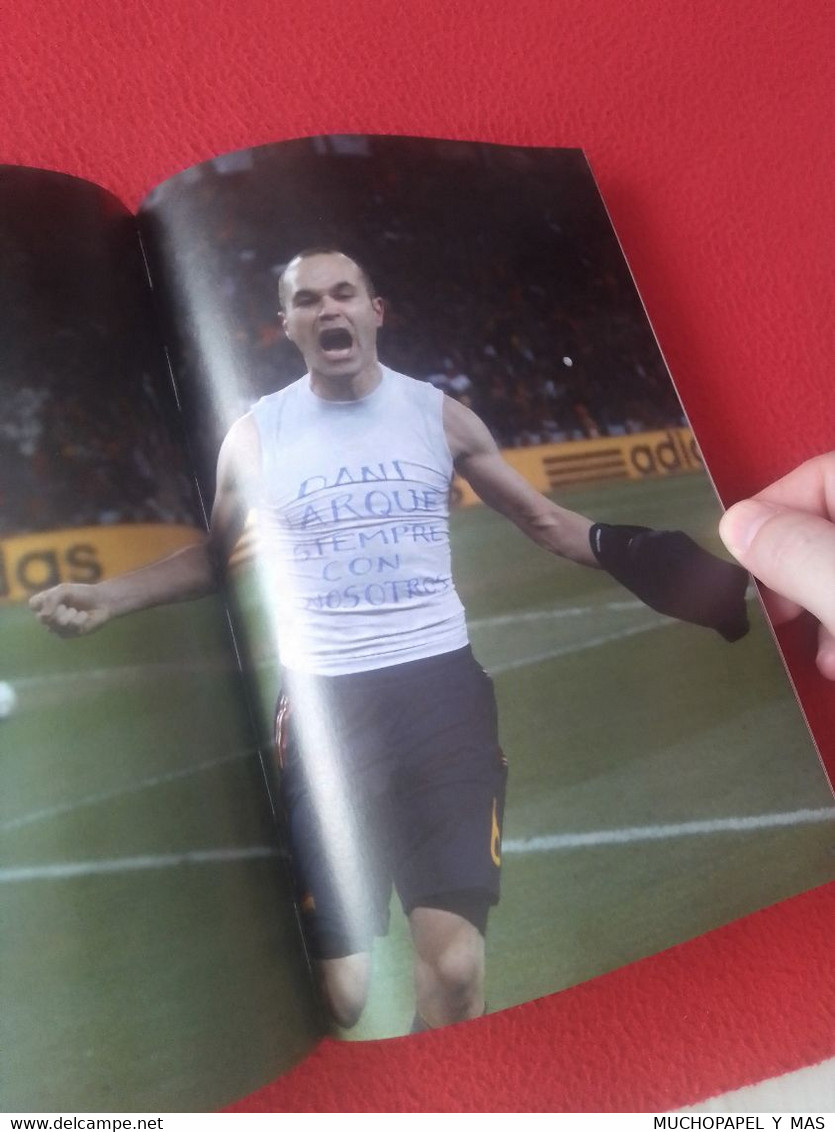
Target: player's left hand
<point>673,575</point>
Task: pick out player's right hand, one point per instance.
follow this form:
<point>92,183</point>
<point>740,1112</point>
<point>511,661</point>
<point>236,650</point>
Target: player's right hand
<point>70,610</point>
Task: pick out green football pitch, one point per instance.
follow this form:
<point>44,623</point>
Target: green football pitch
<point>661,784</point>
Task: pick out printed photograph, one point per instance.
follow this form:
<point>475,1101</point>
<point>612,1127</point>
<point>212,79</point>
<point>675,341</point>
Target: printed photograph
<point>524,720</point>
<point>149,941</point>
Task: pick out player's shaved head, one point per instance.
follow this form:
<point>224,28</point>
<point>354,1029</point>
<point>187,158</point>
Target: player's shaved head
<point>330,313</point>
<point>310,253</point>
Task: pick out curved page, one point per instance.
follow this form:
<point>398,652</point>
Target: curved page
<point>150,954</point>
<point>432,369</point>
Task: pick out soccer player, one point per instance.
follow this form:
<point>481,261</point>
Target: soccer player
<point>386,730</point>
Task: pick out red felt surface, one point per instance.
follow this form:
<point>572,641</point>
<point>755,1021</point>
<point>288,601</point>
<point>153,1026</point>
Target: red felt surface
<point>709,129</point>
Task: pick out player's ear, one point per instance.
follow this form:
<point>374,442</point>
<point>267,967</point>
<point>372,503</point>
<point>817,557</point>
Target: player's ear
<point>379,309</point>
<point>282,322</point>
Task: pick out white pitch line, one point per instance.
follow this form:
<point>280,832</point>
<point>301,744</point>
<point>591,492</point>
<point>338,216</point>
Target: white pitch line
<point>560,613</point>
<point>163,668</point>
<point>554,842</point>
<point>101,797</point>
<point>495,670</point>
<point>125,672</point>
<point>570,650</point>
<point>118,792</point>
<point>557,613</point>
<point>72,869</point>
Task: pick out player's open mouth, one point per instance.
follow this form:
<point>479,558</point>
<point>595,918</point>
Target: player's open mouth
<point>335,340</point>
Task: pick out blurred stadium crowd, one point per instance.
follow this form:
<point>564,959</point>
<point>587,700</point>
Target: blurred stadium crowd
<point>69,459</point>
<point>504,284</point>
<point>88,424</point>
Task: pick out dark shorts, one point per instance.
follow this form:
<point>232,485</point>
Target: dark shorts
<point>392,777</point>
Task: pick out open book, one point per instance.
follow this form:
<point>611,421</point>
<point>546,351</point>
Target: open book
<point>337,348</point>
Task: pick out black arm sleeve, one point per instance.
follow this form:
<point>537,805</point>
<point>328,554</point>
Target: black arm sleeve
<point>673,575</point>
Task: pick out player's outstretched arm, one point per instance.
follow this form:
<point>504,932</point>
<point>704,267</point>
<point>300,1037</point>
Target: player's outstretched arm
<point>667,570</point>
<point>72,610</point>
<point>785,536</point>
<point>478,459</point>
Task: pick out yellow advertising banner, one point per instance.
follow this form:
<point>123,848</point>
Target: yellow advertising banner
<point>29,563</point>
<point>639,456</point>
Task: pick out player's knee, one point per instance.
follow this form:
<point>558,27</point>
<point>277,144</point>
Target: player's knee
<point>449,965</point>
<point>451,984</point>
<point>459,969</point>
<point>344,984</point>
<point>345,1007</point>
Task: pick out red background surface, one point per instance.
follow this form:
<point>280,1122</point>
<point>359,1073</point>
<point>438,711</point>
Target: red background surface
<point>709,127</point>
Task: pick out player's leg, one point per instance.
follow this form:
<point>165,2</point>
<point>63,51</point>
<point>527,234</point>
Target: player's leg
<point>448,967</point>
<point>447,808</point>
<point>339,928</point>
<point>342,896</point>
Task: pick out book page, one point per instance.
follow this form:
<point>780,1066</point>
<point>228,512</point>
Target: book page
<point>150,954</point>
<point>388,331</point>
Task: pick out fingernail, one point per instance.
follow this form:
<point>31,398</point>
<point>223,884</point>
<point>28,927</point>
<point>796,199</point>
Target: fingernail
<point>741,523</point>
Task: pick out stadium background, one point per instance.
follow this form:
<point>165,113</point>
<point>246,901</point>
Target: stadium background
<point>683,117</point>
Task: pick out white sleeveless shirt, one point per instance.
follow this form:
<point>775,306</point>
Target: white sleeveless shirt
<point>354,518</point>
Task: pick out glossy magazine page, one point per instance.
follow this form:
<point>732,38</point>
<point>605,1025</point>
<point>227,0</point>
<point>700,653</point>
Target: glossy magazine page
<point>382,333</point>
<point>150,953</point>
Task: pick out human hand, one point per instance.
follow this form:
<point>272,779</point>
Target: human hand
<point>71,610</point>
<point>785,535</point>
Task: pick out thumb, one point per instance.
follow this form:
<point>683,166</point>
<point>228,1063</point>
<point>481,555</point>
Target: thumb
<point>792,552</point>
